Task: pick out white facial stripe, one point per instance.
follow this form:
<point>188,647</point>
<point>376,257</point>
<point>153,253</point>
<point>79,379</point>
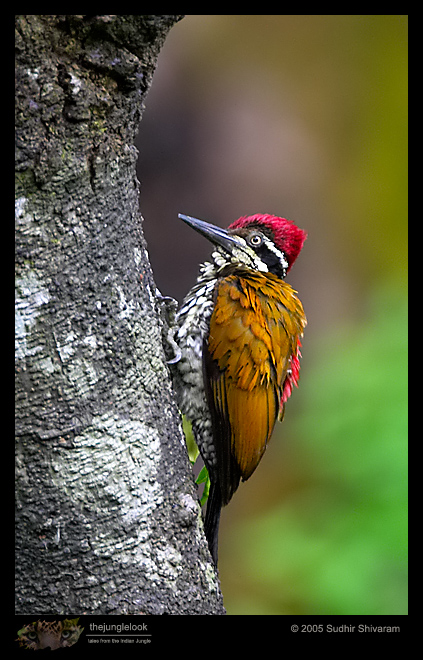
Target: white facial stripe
<point>281,256</point>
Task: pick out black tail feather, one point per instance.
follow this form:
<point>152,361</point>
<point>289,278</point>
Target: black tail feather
<point>211,524</point>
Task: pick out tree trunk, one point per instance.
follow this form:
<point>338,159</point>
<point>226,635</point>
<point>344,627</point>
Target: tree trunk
<point>107,515</point>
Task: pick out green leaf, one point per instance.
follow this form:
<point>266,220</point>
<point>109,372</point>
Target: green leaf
<point>192,448</point>
<point>203,478</point>
<point>193,454</point>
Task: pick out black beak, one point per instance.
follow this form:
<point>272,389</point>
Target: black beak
<point>216,235</point>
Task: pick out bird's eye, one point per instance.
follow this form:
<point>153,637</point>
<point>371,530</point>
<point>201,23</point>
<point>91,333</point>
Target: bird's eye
<point>255,240</point>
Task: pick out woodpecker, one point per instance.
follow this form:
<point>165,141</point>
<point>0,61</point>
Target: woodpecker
<point>238,331</point>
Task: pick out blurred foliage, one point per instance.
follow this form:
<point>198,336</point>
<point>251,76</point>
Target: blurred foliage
<point>338,544</point>
<point>303,116</point>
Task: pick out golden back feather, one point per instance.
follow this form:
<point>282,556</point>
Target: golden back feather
<point>254,331</point>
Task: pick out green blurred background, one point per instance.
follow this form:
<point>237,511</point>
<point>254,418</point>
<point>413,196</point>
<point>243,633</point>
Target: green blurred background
<point>305,117</point>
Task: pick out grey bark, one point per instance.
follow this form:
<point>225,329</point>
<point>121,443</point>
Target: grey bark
<point>107,517</point>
